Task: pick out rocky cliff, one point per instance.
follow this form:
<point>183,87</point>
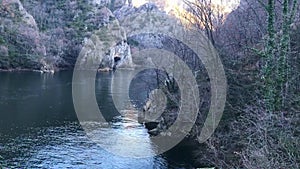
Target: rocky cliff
<point>48,35</point>
<point>20,40</point>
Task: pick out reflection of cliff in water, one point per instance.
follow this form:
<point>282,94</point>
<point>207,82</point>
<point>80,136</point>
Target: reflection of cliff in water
<point>38,124</point>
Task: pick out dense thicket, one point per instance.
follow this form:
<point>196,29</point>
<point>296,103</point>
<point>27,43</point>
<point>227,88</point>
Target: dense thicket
<point>259,46</point>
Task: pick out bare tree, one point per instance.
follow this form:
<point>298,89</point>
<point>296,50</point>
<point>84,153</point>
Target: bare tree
<point>206,16</point>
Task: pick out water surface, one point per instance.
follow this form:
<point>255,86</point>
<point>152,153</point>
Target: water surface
<point>39,127</point>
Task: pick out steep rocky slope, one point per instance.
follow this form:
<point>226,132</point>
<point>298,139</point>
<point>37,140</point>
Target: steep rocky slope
<point>48,34</point>
<point>20,41</point>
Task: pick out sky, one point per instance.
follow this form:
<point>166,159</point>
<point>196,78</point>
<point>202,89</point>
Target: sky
<point>169,4</point>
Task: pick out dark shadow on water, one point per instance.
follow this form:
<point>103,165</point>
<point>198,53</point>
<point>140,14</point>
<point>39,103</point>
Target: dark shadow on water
<point>39,126</point>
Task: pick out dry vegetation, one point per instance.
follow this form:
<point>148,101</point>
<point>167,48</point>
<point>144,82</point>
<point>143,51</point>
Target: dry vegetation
<point>259,45</point>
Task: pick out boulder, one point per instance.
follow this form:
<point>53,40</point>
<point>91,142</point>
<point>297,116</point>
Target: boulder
<point>151,125</point>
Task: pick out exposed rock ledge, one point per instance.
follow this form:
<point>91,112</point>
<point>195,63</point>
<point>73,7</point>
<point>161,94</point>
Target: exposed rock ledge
<point>156,116</point>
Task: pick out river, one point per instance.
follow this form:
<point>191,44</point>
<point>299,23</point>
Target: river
<point>39,127</point>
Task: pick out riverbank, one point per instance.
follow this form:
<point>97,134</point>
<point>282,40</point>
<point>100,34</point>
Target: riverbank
<point>20,70</point>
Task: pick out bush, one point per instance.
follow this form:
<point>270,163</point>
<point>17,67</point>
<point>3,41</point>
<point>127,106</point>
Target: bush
<point>271,139</point>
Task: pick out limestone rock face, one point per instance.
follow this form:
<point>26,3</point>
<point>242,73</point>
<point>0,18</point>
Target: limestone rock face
<point>49,34</point>
<point>107,48</point>
<point>20,35</point>
<point>100,3</point>
<point>154,107</point>
<point>106,15</point>
<point>141,41</point>
<point>116,4</point>
<point>119,56</point>
<point>69,26</point>
<point>65,24</point>
<point>122,56</point>
<point>127,10</point>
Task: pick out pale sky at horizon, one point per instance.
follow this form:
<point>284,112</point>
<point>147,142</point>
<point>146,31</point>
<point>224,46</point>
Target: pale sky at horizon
<point>229,4</point>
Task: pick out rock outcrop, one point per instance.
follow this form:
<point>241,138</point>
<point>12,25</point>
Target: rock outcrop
<point>65,24</point>
<point>102,48</point>
<point>49,35</point>
<point>127,10</point>
<point>20,39</point>
<point>158,115</point>
<point>107,48</point>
